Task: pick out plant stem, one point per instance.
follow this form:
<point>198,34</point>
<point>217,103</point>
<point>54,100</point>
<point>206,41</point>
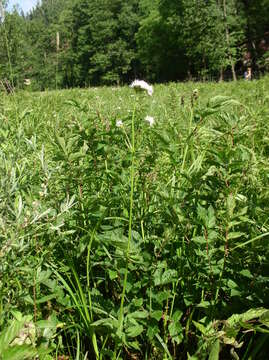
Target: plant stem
<point>187,141</point>
<point>121,315</point>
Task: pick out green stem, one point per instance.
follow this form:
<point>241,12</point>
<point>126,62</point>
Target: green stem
<point>187,142</point>
<point>121,315</point>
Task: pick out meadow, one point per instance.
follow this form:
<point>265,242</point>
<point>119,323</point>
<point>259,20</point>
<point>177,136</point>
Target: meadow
<point>135,226</point>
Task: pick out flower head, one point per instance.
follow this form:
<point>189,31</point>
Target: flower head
<point>27,82</point>
<point>119,123</point>
<point>150,120</point>
<point>143,86</point>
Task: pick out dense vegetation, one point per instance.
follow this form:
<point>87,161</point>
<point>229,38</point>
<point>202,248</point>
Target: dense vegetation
<point>134,225</point>
<point>126,238</point>
<point>113,41</point>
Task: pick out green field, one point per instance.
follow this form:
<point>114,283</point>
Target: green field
<point>135,241</point>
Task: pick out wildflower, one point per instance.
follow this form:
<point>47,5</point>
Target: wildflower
<point>142,85</point>
<point>27,82</point>
<point>150,120</point>
<point>119,123</point>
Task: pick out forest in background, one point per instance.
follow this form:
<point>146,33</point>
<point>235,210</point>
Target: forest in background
<point>66,43</point>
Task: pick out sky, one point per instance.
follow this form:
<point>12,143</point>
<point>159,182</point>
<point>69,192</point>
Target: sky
<point>25,5</point>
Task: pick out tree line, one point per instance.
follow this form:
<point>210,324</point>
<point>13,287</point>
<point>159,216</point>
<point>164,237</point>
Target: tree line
<point>77,43</point>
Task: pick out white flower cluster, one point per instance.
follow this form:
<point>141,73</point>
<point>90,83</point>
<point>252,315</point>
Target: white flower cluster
<point>27,82</point>
<point>150,120</point>
<point>143,86</point>
<point>119,123</point>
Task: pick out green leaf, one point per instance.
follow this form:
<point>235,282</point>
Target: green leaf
<point>211,218</point>
<point>252,240</point>
<point>230,205</point>
<point>164,346</point>
<point>157,315</point>
<point>19,352</point>
<point>235,235</point>
<point>107,322</point>
<point>163,296</point>
<point>138,302</point>
<point>264,318</point>
<point>169,276</point>
<point>177,315</point>
<point>42,276</point>
<point>199,239</point>
<point>52,322</point>
<point>214,352</point>
<point>45,298</point>
<point>9,334</point>
<point>246,273</point>
<point>143,314</point>
<point>200,327</point>
<point>175,329</point>
<point>246,316</point>
<point>61,142</point>
<point>134,331</point>
<point>152,330</point>
<point>112,274</point>
<point>232,284</point>
<point>157,276</point>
